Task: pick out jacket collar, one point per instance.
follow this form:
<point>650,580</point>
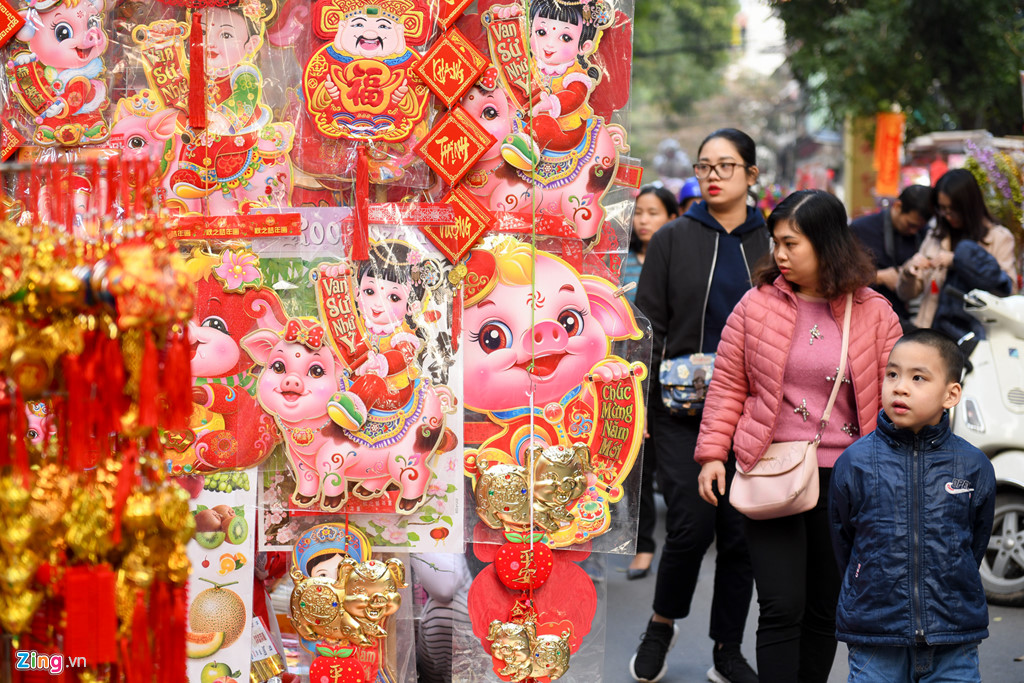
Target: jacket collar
<point>929,438</point>
<point>699,212</point>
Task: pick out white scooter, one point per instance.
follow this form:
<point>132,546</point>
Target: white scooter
<point>991,416</point>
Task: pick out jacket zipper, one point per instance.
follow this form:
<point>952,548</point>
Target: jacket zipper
<point>707,291</point>
<point>915,574</point>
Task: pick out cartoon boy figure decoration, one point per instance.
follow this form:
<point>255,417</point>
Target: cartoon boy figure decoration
<point>563,36</point>
<point>58,80</point>
<point>239,162</point>
<point>361,85</point>
<point>342,600</point>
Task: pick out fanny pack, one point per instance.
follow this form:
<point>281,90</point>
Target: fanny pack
<point>685,380</point>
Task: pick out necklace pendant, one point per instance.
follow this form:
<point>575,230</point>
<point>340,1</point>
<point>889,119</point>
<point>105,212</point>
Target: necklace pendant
<point>303,436</point>
<point>815,334</point>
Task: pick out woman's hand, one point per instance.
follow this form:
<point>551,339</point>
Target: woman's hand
<point>944,259</point>
<point>711,472</point>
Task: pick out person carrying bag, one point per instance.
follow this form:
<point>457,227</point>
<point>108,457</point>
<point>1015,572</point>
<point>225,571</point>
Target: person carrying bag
<point>776,376</point>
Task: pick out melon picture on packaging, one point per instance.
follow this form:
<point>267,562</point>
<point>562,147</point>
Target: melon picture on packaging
<point>200,645</point>
<point>217,610</point>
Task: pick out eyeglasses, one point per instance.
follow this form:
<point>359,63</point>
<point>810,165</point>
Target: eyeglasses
<point>946,211</point>
<point>724,169</point>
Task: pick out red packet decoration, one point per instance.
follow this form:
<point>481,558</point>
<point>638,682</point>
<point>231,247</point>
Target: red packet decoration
<point>450,10</point>
<point>342,602</point>
<point>451,66</point>
<point>454,145</point>
<point>228,429</point>
<point>10,22</point>
<point>360,421</point>
<point>10,139</point>
<point>471,221</point>
<point>585,399</point>
<point>362,85</point>
<point>59,79</point>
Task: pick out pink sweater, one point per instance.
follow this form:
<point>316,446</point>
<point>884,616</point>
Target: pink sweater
<point>745,397</point>
<point>807,384</point>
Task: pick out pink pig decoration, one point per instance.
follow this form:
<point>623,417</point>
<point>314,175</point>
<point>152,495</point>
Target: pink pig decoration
<point>567,184</point>
<point>58,80</point>
<point>537,339</point>
<point>145,130</point>
<point>395,448</point>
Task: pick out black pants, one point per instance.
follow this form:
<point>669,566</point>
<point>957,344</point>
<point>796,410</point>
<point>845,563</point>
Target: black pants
<point>648,512</point>
<point>691,524</point>
<point>797,591</point>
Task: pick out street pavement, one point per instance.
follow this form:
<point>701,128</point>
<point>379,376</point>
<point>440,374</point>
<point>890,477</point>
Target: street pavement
<point>629,607</point>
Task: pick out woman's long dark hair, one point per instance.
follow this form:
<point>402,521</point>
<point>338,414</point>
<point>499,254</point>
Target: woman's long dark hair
<point>667,199</point>
<point>965,198</point>
<point>843,265</point>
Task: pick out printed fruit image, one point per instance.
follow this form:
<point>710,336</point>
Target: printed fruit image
<point>216,670</point>
<point>238,530</point>
<point>226,513</point>
<point>211,539</point>
<point>218,609</point>
<point>226,482</point>
<point>192,483</point>
<point>203,644</point>
<point>229,562</point>
<point>208,520</point>
<point>225,679</point>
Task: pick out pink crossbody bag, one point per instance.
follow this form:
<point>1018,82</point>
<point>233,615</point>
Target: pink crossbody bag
<point>785,480</point>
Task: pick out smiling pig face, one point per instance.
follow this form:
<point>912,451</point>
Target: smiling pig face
<point>65,35</point>
<point>510,350</point>
<point>298,378</point>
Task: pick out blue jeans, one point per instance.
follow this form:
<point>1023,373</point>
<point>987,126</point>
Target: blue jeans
<point>927,664</point>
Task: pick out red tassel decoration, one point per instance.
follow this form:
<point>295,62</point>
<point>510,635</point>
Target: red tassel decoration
<point>113,375</point>
<point>20,436</point>
<point>149,410</point>
<point>196,74</point>
<point>78,404</point>
<point>142,656</point>
<point>176,635</point>
<point>361,233</point>
<point>126,480</point>
<point>177,381</point>
<point>5,424</point>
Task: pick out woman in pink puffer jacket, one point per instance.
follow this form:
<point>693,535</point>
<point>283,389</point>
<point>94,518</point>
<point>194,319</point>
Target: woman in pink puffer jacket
<point>774,373</point>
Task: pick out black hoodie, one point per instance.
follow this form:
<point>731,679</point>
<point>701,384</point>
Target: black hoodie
<point>694,275</point>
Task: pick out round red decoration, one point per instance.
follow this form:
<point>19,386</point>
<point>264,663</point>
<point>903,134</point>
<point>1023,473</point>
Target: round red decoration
<point>522,567</point>
<point>337,670</point>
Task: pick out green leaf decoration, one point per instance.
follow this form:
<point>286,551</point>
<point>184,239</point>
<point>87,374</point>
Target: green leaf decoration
<point>447,520</point>
<point>413,536</point>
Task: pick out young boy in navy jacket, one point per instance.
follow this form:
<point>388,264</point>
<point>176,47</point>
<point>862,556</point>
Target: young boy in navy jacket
<point>911,509</point>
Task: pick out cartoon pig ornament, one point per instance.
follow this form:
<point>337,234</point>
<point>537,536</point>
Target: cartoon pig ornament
<point>550,351</point>
<point>58,80</point>
<point>526,654</point>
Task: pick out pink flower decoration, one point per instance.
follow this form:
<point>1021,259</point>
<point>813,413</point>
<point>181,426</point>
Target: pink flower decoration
<point>238,269</point>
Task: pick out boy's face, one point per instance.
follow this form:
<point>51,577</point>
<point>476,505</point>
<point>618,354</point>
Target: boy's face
<point>227,40</point>
<point>381,301</point>
<point>328,569</point>
<point>916,391</point>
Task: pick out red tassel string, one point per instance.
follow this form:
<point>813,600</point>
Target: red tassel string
<point>361,234</point>
<point>142,655</point>
<point>20,435</point>
<point>126,480</point>
<point>177,381</point>
<point>78,404</point>
<point>148,383</point>
<point>176,636</point>
<point>113,376</point>
<point>196,74</point>
<point>6,405</point>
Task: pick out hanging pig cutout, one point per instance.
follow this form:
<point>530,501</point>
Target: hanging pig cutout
<point>552,342</point>
<point>228,428</point>
<point>58,80</point>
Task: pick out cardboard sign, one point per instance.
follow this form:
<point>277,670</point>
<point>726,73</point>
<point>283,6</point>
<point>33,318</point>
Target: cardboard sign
<point>507,40</point>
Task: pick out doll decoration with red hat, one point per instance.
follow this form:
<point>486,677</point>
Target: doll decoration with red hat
<point>59,79</point>
<point>534,326</point>
<point>361,85</point>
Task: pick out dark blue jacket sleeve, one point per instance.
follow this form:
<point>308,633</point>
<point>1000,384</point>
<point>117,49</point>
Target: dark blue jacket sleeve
<point>839,514</point>
<point>978,269</point>
<point>984,500</point>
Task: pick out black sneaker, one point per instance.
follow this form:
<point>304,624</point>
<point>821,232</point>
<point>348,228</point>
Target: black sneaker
<point>648,664</point>
<point>730,666</point>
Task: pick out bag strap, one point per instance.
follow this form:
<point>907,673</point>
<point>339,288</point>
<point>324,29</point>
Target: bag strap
<point>842,368</point>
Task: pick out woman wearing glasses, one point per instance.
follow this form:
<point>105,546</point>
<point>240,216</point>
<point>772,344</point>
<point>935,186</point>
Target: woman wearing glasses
<point>697,269</point>
<point>965,250</point>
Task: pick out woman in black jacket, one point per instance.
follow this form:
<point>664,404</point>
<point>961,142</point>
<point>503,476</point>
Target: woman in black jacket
<point>697,269</point>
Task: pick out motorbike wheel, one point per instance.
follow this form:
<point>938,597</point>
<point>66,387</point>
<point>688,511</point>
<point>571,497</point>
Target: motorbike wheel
<point>1002,569</point>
